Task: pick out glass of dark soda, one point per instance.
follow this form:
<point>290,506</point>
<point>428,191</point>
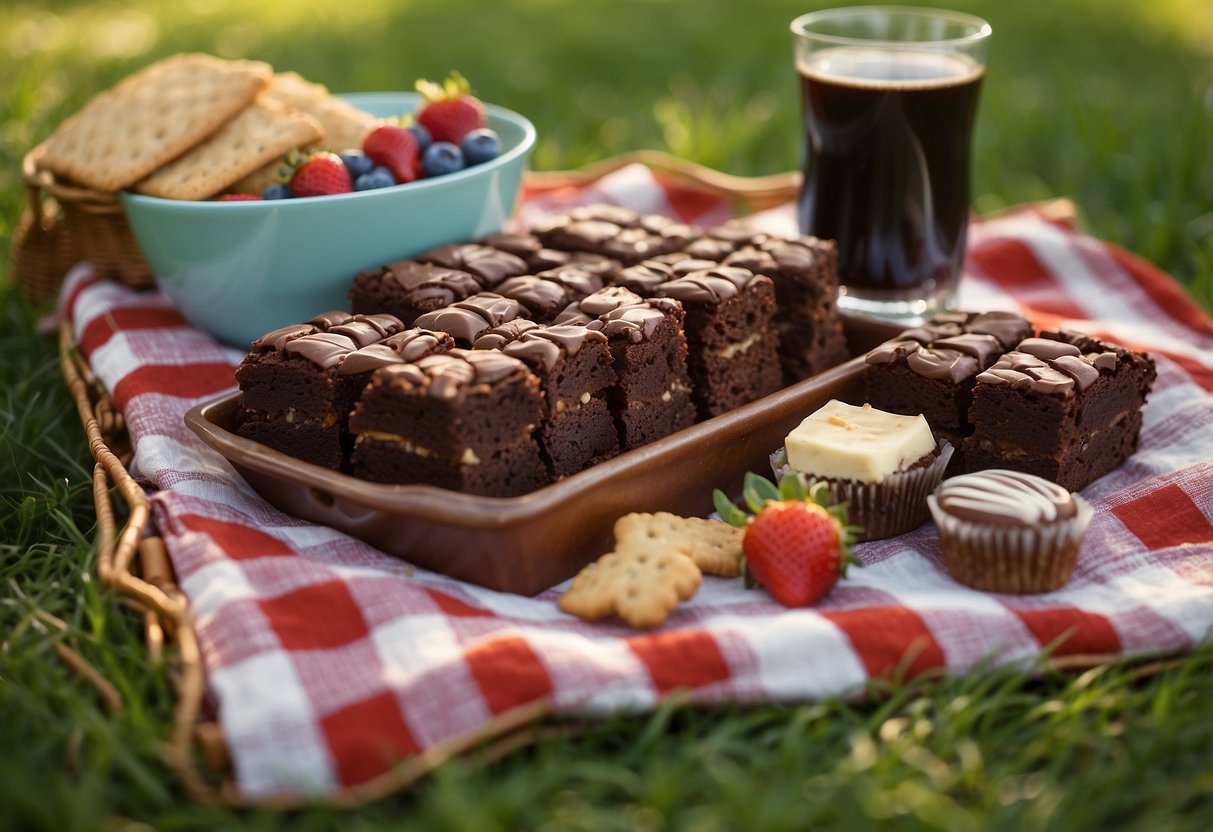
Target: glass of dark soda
<point>889,96</point>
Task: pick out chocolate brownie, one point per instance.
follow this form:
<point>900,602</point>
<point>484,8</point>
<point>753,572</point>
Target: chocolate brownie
<point>488,265</point>
<point>468,318</point>
<point>293,396</point>
<point>580,282</point>
<point>520,245</point>
<point>732,349</point>
<point>544,299</point>
<point>645,277</point>
<point>805,271</point>
<point>408,289</point>
<point>575,370</point>
<point>598,265</point>
<point>625,236</point>
<point>931,369</point>
<point>462,420</point>
<point>652,395</point>
<point>497,337</point>
<point>1064,406</point>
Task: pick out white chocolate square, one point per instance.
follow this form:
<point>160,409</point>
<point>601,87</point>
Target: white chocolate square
<point>845,442</point>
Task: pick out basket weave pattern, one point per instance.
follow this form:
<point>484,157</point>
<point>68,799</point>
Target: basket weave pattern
<point>65,224</point>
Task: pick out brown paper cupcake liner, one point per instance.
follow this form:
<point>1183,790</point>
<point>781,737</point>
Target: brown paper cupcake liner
<point>1019,560</point>
<point>894,506</point>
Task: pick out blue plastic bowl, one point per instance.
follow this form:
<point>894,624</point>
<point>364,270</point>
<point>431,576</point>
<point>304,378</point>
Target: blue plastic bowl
<point>241,269</point>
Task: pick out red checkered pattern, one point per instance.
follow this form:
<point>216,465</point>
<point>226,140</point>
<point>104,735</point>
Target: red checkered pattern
<point>328,661</point>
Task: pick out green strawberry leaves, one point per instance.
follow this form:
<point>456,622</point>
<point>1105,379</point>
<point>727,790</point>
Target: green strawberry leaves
<point>757,491</point>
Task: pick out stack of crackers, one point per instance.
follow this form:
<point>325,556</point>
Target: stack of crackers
<point>193,126</point>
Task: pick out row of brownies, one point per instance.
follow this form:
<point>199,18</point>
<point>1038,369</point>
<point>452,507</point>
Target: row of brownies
<point>1061,404</point>
<point>498,366</point>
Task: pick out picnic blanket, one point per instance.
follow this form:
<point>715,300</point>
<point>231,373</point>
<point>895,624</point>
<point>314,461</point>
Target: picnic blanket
<point>329,662</point>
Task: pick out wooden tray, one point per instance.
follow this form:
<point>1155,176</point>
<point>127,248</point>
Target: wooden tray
<point>526,544</point>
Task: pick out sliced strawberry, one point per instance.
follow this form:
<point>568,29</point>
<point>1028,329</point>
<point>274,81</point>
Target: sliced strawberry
<point>395,148</point>
<point>321,174</point>
<point>450,111</point>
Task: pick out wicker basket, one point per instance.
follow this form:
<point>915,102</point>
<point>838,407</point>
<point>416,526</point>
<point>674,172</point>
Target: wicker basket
<point>65,224</point>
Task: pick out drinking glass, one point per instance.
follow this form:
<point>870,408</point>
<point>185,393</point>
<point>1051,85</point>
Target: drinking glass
<point>889,96</point>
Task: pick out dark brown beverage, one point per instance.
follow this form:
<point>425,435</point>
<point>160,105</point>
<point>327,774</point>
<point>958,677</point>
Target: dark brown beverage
<point>886,172</point>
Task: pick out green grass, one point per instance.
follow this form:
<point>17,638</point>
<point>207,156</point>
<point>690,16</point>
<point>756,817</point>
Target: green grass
<point>1109,103</point>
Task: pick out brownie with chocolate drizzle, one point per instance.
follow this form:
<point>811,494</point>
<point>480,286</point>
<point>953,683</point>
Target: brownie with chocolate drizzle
<point>651,397</point>
<point>462,420</point>
<point>298,383</point>
<point>1064,406</point>
<point>931,369</point>
<point>575,370</point>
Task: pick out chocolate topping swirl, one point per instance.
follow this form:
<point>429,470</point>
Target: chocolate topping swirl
<point>534,293</point>
<point>455,374</point>
<point>1045,349</point>
<point>498,336</point>
<point>367,329</point>
<point>545,345</point>
<point>577,280</point>
<point>324,349</point>
<point>468,318</point>
<point>407,346</point>
<point>709,248</point>
<point>330,319</point>
<point>795,255</point>
<point>1024,371</point>
<point>329,349</point>
<point>707,286</point>
<point>276,339</point>
<point>942,364</point>
<point>645,278</point>
<point>753,258</point>
<point>635,322</point>
<point>425,280</point>
<point>1007,327</point>
<point>490,265</point>
<point>597,304</point>
<point>519,245</point>
<point>982,347</point>
<point>1005,498</point>
<point>890,351</point>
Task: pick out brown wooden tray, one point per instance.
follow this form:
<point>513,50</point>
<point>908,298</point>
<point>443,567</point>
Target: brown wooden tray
<point>526,544</point>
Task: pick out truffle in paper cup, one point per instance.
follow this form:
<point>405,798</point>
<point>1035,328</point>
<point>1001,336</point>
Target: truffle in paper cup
<point>1007,531</point>
<point>883,466</point>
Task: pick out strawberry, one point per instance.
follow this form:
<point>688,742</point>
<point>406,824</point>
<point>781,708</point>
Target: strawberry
<point>321,174</point>
<point>450,111</point>
<point>238,197</point>
<point>395,148</point>
<point>794,545</point>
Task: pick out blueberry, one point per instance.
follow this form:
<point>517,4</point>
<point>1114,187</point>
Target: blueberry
<point>356,162</point>
<point>422,134</point>
<point>480,146</point>
<point>378,177</point>
<point>279,190</point>
<point>441,158</point>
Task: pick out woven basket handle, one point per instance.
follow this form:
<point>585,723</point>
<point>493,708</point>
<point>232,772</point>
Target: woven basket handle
<point>758,192</point>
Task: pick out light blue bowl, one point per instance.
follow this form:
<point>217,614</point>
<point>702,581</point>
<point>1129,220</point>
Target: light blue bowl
<point>241,269</point>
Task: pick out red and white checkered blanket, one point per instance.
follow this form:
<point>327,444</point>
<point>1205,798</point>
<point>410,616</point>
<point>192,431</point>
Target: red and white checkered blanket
<point>328,661</point>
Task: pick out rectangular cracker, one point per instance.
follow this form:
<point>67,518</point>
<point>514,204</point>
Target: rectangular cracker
<point>151,118</point>
<point>260,133</point>
<point>344,124</point>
